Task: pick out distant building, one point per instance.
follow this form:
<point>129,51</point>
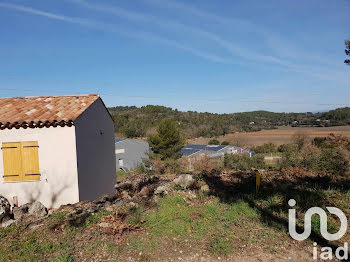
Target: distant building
<point>56,149</point>
<point>214,151</point>
<point>129,153</point>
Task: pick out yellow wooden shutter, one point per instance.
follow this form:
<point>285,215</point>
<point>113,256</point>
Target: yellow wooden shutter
<point>11,153</point>
<point>30,161</point>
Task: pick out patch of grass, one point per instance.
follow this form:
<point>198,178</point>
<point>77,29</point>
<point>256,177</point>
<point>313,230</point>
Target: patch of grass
<point>239,213</point>
<point>141,244</point>
<point>95,245</point>
<point>218,245</point>
<point>60,215</point>
<point>175,219</point>
<point>4,232</point>
<point>29,248</point>
<point>63,258</point>
<point>122,175</point>
<point>96,217</point>
<point>136,216</point>
<point>112,248</point>
<point>172,218</point>
<point>71,231</point>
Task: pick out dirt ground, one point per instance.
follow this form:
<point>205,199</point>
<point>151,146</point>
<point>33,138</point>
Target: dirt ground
<point>282,135</point>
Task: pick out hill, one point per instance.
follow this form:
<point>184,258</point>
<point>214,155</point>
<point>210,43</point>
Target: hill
<point>132,121</point>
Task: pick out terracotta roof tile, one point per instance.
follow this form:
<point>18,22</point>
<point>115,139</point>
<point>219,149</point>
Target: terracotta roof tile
<point>22,111</point>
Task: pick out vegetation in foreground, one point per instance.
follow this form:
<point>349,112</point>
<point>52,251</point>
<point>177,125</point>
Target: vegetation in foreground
<point>229,221</point>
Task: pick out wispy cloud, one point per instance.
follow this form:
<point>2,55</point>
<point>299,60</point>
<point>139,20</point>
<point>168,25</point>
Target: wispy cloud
<point>118,29</point>
<point>324,71</point>
<point>285,49</point>
<point>249,57</point>
<point>33,11</point>
<point>174,25</point>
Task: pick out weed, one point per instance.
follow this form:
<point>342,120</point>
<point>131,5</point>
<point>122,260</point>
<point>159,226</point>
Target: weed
<point>60,215</point>
<point>219,246</point>
<point>96,217</point>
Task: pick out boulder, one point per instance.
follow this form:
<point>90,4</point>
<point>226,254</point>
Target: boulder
<point>37,209</point>
<point>4,208</point>
<point>20,212</point>
<point>92,209</point>
<point>136,182</point>
<point>8,223</point>
<point>104,225</point>
<point>184,180</point>
<point>161,190</point>
<point>205,188</point>
<point>145,192</point>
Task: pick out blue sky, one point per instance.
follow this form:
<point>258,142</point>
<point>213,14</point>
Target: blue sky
<point>203,55</point>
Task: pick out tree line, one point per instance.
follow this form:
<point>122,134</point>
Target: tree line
<point>132,121</point>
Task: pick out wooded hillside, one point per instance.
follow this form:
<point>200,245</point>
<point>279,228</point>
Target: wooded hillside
<point>132,121</point>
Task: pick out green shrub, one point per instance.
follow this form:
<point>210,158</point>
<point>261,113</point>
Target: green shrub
<point>266,148</point>
<point>243,162</point>
<point>214,142</point>
<point>332,161</point>
<point>225,143</point>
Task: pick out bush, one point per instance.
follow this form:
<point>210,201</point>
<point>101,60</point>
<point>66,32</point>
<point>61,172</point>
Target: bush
<point>286,147</point>
<point>204,163</point>
<point>214,142</point>
<point>266,148</point>
<point>332,161</point>
<point>225,143</point>
<point>243,162</point>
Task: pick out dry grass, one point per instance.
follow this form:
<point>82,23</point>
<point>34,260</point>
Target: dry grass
<point>282,135</point>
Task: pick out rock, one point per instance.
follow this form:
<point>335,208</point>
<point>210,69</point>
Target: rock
<point>119,202</point>
<point>135,183</point>
<point>132,205</point>
<point>205,188</point>
<point>161,190</point>
<point>104,225</point>
<point>20,212</point>
<point>4,208</point>
<point>37,209</point>
<point>124,185</point>
<point>184,180</point>
<point>125,195</point>
<point>103,200</point>
<point>144,192</point>
<point>8,223</point>
<point>110,209</point>
<point>92,209</point>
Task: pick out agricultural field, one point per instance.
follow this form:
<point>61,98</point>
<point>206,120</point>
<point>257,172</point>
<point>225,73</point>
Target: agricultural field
<point>281,135</point>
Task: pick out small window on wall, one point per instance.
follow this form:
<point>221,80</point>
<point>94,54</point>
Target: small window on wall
<point>21,161</point>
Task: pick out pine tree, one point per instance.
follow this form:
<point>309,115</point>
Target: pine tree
<point>167,141</point>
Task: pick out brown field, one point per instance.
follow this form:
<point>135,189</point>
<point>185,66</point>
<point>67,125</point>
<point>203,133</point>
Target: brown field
<point>282,135</point>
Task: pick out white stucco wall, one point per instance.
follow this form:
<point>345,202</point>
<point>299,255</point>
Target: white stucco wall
<point>95,152</point>
<point>58,183</point>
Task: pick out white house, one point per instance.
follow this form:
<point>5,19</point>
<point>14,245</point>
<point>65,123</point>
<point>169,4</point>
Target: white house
<point>56,149</point>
